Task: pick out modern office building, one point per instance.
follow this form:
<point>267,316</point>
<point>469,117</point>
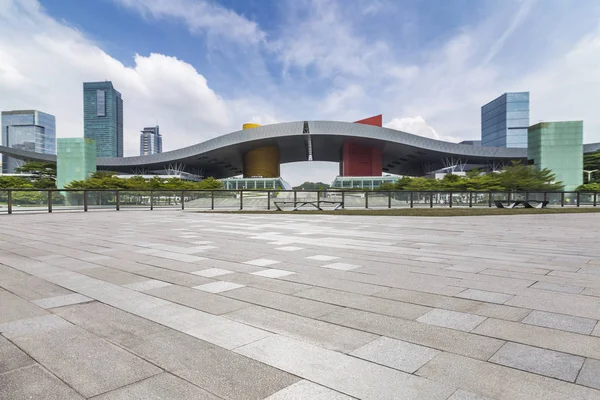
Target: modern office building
<point>505,120</point>
<point>75,161</point>
<point>103,118</point>
<point>150,141</point>
<point>558,146</point>
<point>28,130</point>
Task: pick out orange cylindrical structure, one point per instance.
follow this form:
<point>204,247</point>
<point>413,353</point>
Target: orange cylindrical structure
<point>262,162</point>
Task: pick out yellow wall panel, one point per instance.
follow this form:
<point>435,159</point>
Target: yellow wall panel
<point>262,162</point>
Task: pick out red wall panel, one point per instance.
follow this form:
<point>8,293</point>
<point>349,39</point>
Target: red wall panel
<point>360,160</point>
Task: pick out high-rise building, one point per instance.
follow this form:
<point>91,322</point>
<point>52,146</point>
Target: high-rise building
<point>150,141</point>
<point>558,146</point>
<point>504,121</point>
<point>27,130</point>
<point>75,160</point>
<point>103,118</point>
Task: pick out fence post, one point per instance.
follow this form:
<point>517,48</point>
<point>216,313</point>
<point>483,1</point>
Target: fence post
<point>212,199</point>
<point>241,200</point>
<point>389,199</point>
<point>509,196</point>
<point>268,200</point>
<point>295,199</point>
<point>151,200</point>
<point>85,200</point>
<point>470,199</point>
<point>430,199</point>
<point>578,198</point>
<point>562,199</point>
<point>183,199</point>
<point>545,196</point>
<point>490,196</point>
<point>117,200</point>
<point>450,203</point>
<point>595,197</point>
<point>9,200</point>
<point>343,201</point>
<point>366,200</point>
<point>49,201</point>
<point>411,198</point>
<point>318,198</point>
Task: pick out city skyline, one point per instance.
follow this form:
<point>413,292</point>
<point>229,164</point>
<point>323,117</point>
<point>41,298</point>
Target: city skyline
<point>150,141</point>
<point>429,81</point>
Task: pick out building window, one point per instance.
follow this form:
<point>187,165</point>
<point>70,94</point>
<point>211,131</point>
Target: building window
<point>100,103</point>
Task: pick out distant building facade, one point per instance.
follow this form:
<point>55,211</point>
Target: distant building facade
<point>150,141</point>
<point>27,130</point>
<point>558,146</point>
<point>103,118</point>
<point>505,121</point>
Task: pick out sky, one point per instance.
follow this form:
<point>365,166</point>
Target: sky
<point>201,68</point>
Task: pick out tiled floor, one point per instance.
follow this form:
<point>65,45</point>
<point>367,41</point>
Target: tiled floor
<point>183,305</point>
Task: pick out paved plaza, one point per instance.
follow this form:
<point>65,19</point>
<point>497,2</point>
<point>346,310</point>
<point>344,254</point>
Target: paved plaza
<point>181,305</point>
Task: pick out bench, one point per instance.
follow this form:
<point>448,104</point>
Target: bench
<point>301,203</point>
<point>524,203</point>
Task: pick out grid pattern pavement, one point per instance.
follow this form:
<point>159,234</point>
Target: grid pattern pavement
<point>140,305</point>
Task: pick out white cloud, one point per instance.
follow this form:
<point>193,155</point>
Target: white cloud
<point>418,126</point>
<point>200,16</point>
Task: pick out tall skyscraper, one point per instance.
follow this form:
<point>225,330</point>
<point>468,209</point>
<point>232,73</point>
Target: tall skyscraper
<point>27,130</point>
<point>505,120</point>
<point>103,118</point>
<point>150,141</point>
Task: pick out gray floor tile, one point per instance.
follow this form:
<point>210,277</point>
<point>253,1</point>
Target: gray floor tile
<point>64,300</point>
<point>322,258</point>
<point>557,288</point>
<point>273,273</point>
<point>15,308</point>
<point>464,395</point>
<point>212,272</point>
<point>590,374</point>
<point>28,326</point>
<point>198,299</point>
<point>396,354</point>
<point>158,387</point>
<point>86,363</point>
<point>341,266</point>
<point>218,286</point>
<point>307,390</point>
<point>482,295</point>
<point>343,373</point>
<point>539,361</point>
<point>262,262</point>
<point>147,285</point>
<point>11,357</point>
<point>113,275</point>
<point>108,322</point>
<point>34,383</point>
<point>561,321</point>
<point>33,288</point>
<point>222,372</point>
<point>320,333</point>
<point>451,319</point>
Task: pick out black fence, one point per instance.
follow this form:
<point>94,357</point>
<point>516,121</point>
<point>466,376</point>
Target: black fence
<point>35,200</point>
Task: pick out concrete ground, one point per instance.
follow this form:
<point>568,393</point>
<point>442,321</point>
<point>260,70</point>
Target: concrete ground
<point>177,305</point>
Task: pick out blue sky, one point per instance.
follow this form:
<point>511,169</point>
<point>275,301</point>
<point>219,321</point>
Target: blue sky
<point>202,67</point>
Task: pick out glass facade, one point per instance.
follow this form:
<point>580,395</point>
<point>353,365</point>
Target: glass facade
<point>103,118</point>
<point>75,160</point>
<point>362,182</point>
<point>150,141</point>
<point>27,130</point>
<point>255,183</point>
<point>558,146</point>
<point>505,120</point>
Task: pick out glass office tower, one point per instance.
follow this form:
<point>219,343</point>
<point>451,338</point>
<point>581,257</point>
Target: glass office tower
<point>27,130</point>
<point>103,118</point>
<point>150,141</point>
<point>505,120</point>
<point>558,146</point>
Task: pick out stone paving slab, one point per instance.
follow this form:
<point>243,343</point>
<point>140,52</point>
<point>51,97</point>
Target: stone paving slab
<point>539,361</point>
<point>334,307</point>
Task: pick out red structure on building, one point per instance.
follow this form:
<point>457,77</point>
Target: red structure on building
<point>360,159</point>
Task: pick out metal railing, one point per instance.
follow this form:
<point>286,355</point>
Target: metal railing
<point>52,200</point>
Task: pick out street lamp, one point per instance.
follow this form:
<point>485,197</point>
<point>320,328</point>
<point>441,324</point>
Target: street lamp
<point>590,174</point>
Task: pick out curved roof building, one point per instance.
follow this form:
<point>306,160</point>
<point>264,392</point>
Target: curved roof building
<point>361,149</point>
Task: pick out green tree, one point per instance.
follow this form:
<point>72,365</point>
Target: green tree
<point>44,174</point>
<point>589,187</point>
<point>591,162</point>
<point>526,177</point>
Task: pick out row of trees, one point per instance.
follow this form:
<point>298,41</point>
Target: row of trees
<point>516,177</point>
<point>108,180</point>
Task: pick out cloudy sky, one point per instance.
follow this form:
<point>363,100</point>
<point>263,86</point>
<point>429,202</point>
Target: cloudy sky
<point>201,68</point>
